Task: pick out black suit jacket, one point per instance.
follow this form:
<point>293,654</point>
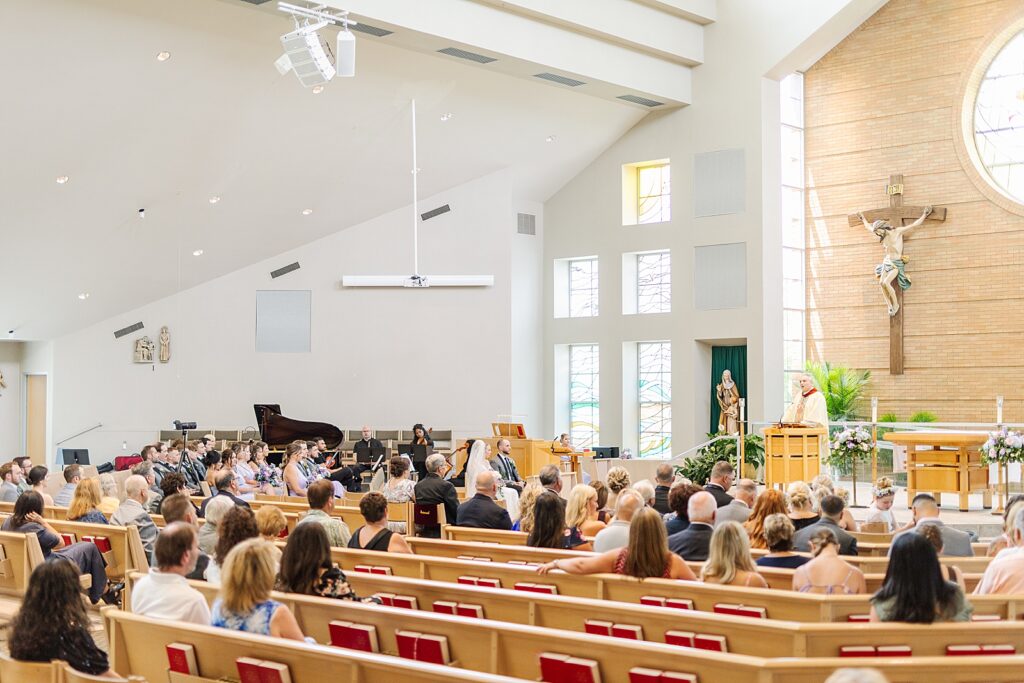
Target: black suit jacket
<point>661,499</point>
<point>692,543</point>
<point>482,512</point>
<point>432,490</point>
<point>721,497</point>
<point>234,498</point>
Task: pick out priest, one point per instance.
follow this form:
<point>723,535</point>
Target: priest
<point>808,408</point>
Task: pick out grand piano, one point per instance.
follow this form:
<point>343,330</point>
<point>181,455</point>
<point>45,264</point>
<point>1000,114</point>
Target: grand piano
<point>278,431</point>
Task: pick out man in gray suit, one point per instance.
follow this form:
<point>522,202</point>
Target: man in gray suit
<point>954,542</point>
<point>831,513</point>
<point>738,509</point>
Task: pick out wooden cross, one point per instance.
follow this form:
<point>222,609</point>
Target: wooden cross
<point>896,213</point>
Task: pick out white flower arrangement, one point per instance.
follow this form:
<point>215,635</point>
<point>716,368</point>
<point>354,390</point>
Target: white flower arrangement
<point>1002,447</point>
<point>849,445</point>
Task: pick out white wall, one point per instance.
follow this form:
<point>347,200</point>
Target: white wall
<point>10,401</point>
<point>735,107</point>
<point>390,357</point>
<point>528,323</point>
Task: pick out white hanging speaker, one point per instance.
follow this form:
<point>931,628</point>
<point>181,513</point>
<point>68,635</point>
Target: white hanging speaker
<point>345,57</point>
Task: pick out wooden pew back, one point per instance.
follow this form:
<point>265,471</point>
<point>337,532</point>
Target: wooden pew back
<point>22,555</point>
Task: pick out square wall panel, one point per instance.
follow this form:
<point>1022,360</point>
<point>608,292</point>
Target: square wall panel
<point>283,321</point>
<point>719,183</point>
<point>720,276</point>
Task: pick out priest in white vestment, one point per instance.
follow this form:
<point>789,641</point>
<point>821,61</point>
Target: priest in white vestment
<point>808,408</point>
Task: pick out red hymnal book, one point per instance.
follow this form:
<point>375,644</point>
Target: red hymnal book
<point>274,672</point>
<point>444,607</point>
<point>682,638</point>
<point>741,610</point>
<point>679,603</point>
<point>958,650</point>
<point>406,601</point>
<point>464,610</point>
<point>676,677</point>
<point>69,539</point>
<point>704,641</point>
<point>1005,649</point>
<point>559,668</point>
<point>406,641</point>
<point>857,651</point>
<point>354,636</point>
<point>362,568</point>
<point>386,571</point>
<point>468,580</point>
<point>629,631</point>
<point>597,628</point>
<point>859,618</point>
<point>283,533</point>
<point>181,658</point>
<point>653,600</point>
<point>489,583</point>
<point>422,647</point>
<point>248,669</point>
<point>386,598</point>
<point>103,543</point>
<point>639,674</point>
<point>893,651</point>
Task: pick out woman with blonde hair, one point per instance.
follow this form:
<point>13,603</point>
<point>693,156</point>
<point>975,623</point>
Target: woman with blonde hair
<point>581,514</point>
<point>827,573</point>
<point>617,481</point>
<point>801,505</point>
<point>771,502</point>
<point>646,556</point>
<point>778,537</point>
<point>729,562</point>
<point>527,500</point>
<point>244,604</point>
<point>85,505</point>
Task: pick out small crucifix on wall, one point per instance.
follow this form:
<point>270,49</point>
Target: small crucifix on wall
<point>888,225</point>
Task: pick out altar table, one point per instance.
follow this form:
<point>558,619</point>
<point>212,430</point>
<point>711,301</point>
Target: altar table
<point>945,462</point>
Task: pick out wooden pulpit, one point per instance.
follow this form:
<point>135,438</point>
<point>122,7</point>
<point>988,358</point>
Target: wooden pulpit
<point>792,453</point>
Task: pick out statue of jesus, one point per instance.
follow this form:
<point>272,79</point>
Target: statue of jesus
<point>893,266</point>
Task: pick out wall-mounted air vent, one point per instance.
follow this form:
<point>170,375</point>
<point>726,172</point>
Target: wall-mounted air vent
<point>526,224</point>
<point>435,212</point>
<point>256,2</point>
<point>127,330</point>
<point>640,100</point>
<point>465,54</point>
<point>371,30</point>
<point>284,271</point>
<point>564,80</point>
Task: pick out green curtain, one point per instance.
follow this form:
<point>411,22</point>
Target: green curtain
<point>733,358</point>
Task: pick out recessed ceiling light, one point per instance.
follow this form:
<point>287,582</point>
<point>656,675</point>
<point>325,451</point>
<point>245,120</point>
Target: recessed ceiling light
<point>550,138</point>
<point>83,296</point>
<point>447,116</point>
<point>163,56</point>
<point>61,179</point>
<point>214,199</point>
<point>317,89</point>
<point>197,252</point>
<point>306,212</point>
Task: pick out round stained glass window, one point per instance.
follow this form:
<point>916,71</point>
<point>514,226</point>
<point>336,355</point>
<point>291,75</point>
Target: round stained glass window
<point>999,119</point>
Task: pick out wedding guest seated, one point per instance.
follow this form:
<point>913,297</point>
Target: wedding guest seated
<point>770,502</point>
<point>72,475</point>
<point>914,590</point>
<point>400,488</point>
<point>831,512</point>
<point>694,542</point>
<point>801,506</point>
<point>244,604</point>
<point>720,482</point>
<point>271,522</point>
<point>320,496</point>
<point>307,569</point>
<point>551,479</point>
<point>154,494</point>
<point>10,475</point>
<point>527,501</point>
<point>828,573</point>
<point>777,537</point>
<point>37,483</point>
<point>581,515</point>
<point>549,528</point>
<point>1005,574</point>
<point>164,592</point>
<point>949,572</point>
<point>173,482</point>
<point>52,622</point>
<point>645,555</point>
<point>179,508</point>
<point>215,512</point>
<point>28,519</point>
<point>678,499</point>
<point>1005,539</point>
<point>616,534</point>
<point>847,522</point>
<point>618,481</point>
<point>132,512</point>
<point>880,510</point>
<point>24,463</point>
<point>108,500</point>
<point>926,511</point>
<point>481,511</point>
<point>729,562</point>
<point>663,477</point>
<point>238,525</point>
<point>375,534</point>
<point>433,490</point>
<point>604,514</point>
<point>227,487</point>
<point>738,509</point>
<point>84,506</point>
<point>646,491</point>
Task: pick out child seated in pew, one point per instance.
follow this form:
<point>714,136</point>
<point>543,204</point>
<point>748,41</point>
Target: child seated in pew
<point>306,567</point>
<point>647,554</point>
<point>244,604</point>
<point>52,622</point>
<point>28,519</point>
<point>729,562</point>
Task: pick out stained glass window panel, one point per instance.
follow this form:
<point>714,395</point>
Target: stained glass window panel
<point>654,374</point>
<point>583,281</point>
<point>654,194</point>
<point>584,396</point>
<point>654,283</point>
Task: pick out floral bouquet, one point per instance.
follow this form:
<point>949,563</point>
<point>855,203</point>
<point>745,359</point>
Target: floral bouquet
<point>1003,446</point>
<point>269,475</point>
<point>849,445</point>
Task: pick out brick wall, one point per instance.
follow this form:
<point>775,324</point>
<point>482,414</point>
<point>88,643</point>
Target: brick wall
<point>886,100</point>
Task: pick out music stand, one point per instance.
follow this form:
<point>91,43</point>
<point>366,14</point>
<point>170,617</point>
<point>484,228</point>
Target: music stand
<point>420,453</point>
<point>75,456</point>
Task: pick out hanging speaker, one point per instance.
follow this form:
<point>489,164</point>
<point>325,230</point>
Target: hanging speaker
<point>345,57</point>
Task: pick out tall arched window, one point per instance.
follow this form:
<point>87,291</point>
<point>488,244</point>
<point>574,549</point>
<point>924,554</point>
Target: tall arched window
<point>999,119</point>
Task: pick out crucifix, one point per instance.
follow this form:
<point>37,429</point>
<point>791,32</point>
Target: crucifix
<point>888,225</point>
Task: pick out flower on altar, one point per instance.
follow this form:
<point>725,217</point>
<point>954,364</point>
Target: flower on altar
<point>1003,446</point>
<point>849,444</point>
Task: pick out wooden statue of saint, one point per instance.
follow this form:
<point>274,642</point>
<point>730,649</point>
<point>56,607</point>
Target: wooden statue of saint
<point>728,396</point>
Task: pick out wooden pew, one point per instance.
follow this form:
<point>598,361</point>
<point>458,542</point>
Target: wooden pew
<point>126,550</point>
<point>137,647</point>
<point>23,554</point>
<point>49,511</point>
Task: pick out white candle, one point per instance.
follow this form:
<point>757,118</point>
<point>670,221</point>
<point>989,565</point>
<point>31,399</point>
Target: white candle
<point>874,409</point>
<point>999,410</point>
<point>743,409</point>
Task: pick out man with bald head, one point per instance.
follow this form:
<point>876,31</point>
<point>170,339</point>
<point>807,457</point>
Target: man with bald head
<point>481,511</point>
<point>616,534</point>
<point>693,542</point>
<point>132,512</point>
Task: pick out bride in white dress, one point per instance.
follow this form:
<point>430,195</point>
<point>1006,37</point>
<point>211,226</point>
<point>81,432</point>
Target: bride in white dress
<point>479,461</point>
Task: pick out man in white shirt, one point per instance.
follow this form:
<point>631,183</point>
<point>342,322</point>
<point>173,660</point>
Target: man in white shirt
<point>164,592</point>
<point>616,534</point>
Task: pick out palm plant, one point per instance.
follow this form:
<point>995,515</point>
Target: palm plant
<point>842,387</point>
